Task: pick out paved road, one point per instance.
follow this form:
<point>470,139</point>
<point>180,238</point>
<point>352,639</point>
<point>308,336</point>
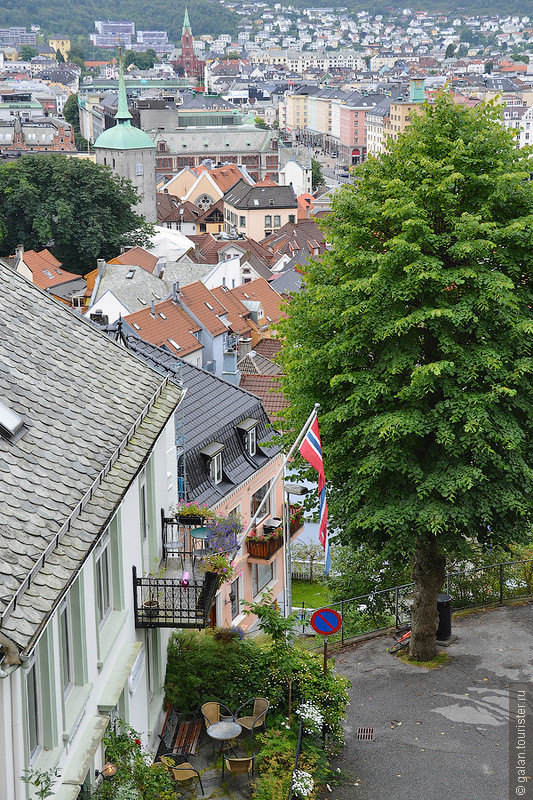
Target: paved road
<point>440,733</point>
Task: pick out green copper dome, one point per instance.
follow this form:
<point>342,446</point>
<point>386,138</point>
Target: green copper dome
<point>123,136</point>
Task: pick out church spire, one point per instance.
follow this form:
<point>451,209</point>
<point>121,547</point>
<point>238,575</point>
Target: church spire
<point>122,115</point>
<point>186,24</point>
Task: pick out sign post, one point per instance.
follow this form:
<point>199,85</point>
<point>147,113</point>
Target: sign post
<point>326,621</point>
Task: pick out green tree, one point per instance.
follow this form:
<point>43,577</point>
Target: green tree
<point>27,52</point>
<point>60,58</point>
<point>260,122</point>
<point>76,208</point>
<point>71,112</point>
<point>316,173</point>
<point>415,336</point>
<point>450,50</point>
<point>489,66</point>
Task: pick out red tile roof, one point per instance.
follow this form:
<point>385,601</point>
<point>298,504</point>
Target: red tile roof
<point>225,177</point>
<point>238,315</point>
<point>271,301</point>
<point>46,269</point>
<point>269,348</point>
<point>170,327</point>
<point>204,306</point>
<point>172,209</point>
<point>267,388</point>
<point>136,257</point>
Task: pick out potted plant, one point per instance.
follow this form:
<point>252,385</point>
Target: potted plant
<point>220,564</point>
<point>152,605</point>
<point>191,514</point>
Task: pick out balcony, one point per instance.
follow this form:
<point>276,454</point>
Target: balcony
<point>167,603</point>
<point>265,549</point>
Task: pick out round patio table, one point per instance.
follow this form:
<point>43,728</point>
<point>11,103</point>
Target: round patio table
<point>199,533</point>
<point>224,731</point>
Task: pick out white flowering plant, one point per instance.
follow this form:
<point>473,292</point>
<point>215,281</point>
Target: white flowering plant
<point>302,783</point>
<point>311,716</point>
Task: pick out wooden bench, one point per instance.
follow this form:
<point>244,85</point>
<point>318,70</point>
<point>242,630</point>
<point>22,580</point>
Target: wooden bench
<point>179,736</point>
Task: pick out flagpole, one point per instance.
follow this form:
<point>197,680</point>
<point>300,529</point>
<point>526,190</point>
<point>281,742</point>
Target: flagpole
<point>297,441</point>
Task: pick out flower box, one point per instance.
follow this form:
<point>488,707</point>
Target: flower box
<point>264,548</point>
<point>190,520</point>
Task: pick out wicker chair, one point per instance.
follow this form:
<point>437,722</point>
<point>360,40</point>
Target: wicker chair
<point>257,717</point>
<point>181,771</point>
<point>238,766</point>
<point>211,712</point>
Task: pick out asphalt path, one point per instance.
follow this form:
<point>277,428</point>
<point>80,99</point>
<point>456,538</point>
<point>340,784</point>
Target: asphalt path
<point>438,733</point>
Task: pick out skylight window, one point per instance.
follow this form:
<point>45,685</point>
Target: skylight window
<point>174,344</point>
<point>210,307</point>
<point>48,273</point>
<point>130,273</point>
<point>137,327</point>
<point>58,271</point>
<point>162,315</point>
<point>11,425</point>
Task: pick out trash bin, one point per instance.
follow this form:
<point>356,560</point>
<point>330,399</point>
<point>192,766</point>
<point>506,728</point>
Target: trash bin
<point>444,607</point>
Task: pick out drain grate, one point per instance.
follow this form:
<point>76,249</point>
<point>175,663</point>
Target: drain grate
<point>365,735</point>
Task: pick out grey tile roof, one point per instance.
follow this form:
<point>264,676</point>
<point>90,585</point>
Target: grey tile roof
<point>228,140</point>
<point>244,196</point>
<point>220,406</point>
<point>79,395</point>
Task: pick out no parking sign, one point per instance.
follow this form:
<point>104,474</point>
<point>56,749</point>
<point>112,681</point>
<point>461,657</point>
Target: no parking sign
<point>326,621</point>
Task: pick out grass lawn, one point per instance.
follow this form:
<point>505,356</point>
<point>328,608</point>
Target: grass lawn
<point>313,594</point>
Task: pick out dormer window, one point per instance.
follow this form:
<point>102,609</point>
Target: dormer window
<point>213,454</point>
<point>248,430</point>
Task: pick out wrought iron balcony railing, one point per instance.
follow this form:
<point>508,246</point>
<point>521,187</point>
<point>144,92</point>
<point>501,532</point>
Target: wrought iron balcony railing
<point>172,602</point>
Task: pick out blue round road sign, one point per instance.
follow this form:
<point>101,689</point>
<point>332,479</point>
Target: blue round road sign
<point>326,621</point>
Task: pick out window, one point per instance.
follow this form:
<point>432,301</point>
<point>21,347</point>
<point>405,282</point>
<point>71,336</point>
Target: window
<point>242,222</point>
<point>251,442</point>
<point>262,574</point>
<point>215,468</point>
<point>292,218</point>
<point>67,648</point>
<point>235,598</point>
<point>104,589</point>
<point>143,506</point>
<point>268,221</point>
<point>139,169</point>
<point>257,499</point>
<point>277,221</point>
<point>33,691</point>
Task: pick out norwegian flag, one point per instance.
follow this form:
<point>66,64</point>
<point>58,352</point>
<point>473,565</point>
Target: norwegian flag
<point>311,450</point>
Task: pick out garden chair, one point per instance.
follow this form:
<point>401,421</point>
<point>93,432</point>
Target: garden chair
<point>257,717</point>
<point>183,771</point>
<point>211,714</point>
<point>238,766</point>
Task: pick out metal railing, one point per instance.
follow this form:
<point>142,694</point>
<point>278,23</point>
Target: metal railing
<point>369,613</point>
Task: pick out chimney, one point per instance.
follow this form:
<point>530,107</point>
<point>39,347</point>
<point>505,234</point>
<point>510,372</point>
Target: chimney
<point>122,249</point>
<point>175,291</point>
<point>152,308</point>
<point>19,251</point>
<point>100,267</point>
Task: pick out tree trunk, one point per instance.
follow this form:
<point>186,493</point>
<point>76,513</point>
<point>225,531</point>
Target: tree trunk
<point>428,573</point>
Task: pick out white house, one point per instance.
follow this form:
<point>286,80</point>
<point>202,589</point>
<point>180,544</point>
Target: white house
<point>87,463</point>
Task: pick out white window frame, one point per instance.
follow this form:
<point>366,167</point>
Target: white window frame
<point>251,441</point>
<point>103,580</point>
<point>68,673</point>
<point>235,605</point>
<point>33,699</point>
<point>215,468</point>
<point>255,505</point>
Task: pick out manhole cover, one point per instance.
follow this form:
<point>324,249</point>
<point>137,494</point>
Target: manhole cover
<point>365,735</point>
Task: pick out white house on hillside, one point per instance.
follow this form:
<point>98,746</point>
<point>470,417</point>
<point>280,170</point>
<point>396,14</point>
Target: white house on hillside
<point>87,464</point>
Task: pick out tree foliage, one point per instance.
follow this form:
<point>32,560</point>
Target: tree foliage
<point>76,208</point>
<point>415,336</point>
<point>141,60</point>
<point>27,52</point>
<point>317,177</point>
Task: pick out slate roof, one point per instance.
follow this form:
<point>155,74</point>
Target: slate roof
<point>287,281</point>
<point>172,209</point>
<point>220,406</point>
<point>255,364</point>
<point>135,292</point>
<point>231,140</point>
<point>244,196</point>
<point>79,396</point>
<point>295,237</point>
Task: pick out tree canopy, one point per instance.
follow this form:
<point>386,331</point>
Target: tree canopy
<point>79,210</point>
<point>415,334</point>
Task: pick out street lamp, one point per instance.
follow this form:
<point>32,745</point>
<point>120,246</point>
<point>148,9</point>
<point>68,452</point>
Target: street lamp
<point>288,489</point>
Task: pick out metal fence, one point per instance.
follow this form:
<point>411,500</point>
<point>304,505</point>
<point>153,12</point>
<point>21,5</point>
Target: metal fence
<point>368,613</point>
